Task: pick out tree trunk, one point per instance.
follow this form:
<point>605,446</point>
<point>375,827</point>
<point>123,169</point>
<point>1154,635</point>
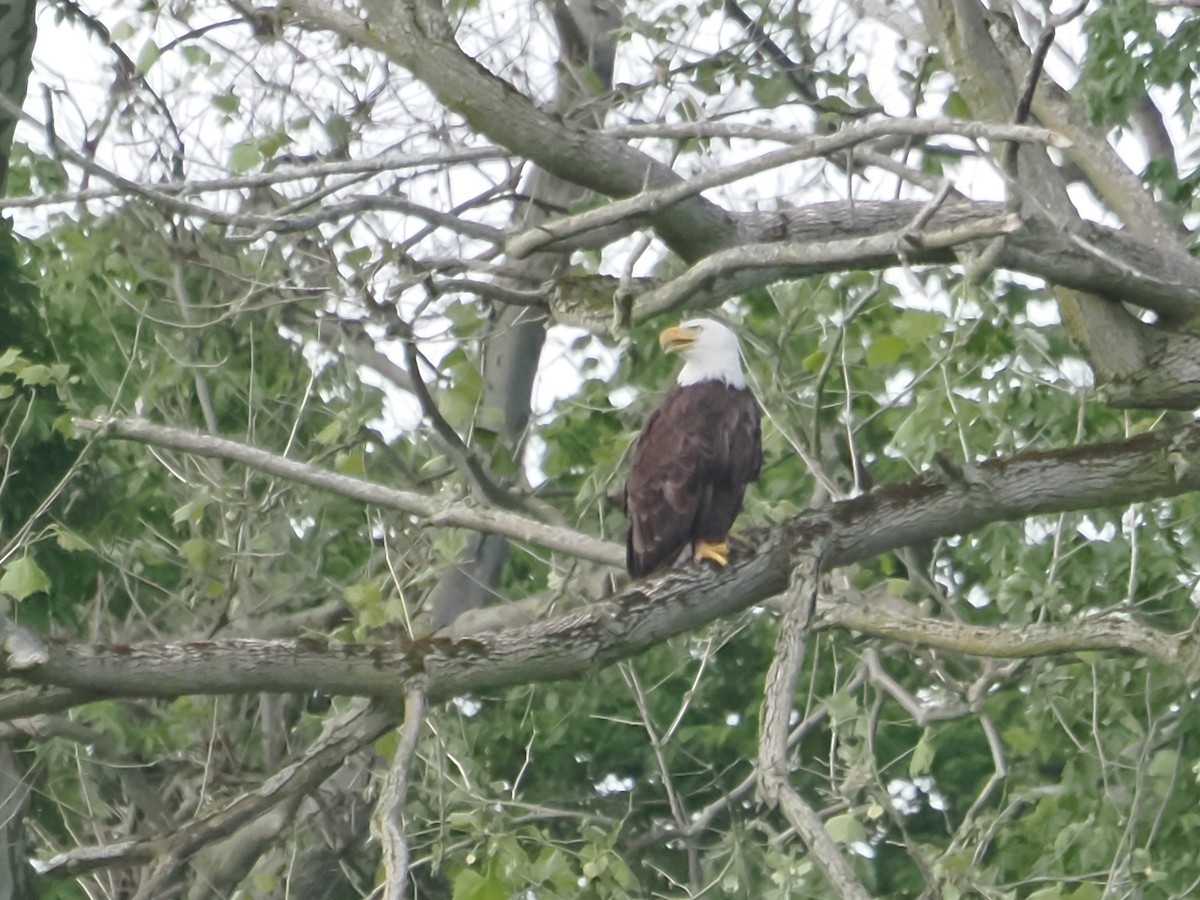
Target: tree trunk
<point>514,339</point>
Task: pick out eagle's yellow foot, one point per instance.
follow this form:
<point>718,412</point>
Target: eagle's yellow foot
<point>718,553</point>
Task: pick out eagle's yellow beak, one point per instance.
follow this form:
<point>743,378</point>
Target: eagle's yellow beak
<point>676,338</point>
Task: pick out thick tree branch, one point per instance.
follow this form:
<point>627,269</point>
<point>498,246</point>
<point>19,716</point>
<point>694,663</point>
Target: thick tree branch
<point>728,272</point>
<point>820,238</point>
<point>892,620</point>
<point>1155,465</point>
<point>653,201</point>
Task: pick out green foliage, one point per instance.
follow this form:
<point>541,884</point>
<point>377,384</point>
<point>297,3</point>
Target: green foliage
<point>1134,45</point>
<point>938,773</point>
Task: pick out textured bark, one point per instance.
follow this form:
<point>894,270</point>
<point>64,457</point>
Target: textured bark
<point>1139,365</point>
<point>515,335</point>
<point>416,35</point>
<point>934,505</point>
<point>18,31</point>
<point>14,797</point>
<point>835,237</point>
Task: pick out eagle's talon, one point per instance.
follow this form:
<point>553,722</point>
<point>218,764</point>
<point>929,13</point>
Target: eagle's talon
<point>718,553</point>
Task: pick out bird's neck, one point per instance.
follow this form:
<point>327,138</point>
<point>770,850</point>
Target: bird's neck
<point>727,371</point>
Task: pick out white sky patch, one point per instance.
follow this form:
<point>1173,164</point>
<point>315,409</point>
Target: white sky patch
<point>468,706</point>
<point>613,783</point>
<point>565,353</point>
<point>1038,529</point>
<point>1088,531</point>
<point>978,596</point>
<point>1042,313</point>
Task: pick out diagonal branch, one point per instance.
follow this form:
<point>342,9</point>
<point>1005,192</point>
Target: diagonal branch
<point>386,825</point>
<point>773,769</point>
<point>434,511</point>
<point>342,737</point>
<point>648,612</point>
<point>648,202</point>
<point>749,261</point>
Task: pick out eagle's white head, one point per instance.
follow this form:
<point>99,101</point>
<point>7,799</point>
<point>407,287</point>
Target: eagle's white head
<point>709,350</point>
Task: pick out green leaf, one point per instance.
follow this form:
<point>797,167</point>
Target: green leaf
<point>196,55</point>
<point>470,885</point>
<point>813,361</point>
<point>922,756</point>
<point>330,433</point>
<point>244,157</point>
<point>845,829</point>
<point>68,539</point>
<point>65,425</point>
<point>885,350</point>
<point>363,595</point>
<point>273,143</point>
<point>197,552</point>
<point>34,375</point>
<point>23,577</point>
<point>351,463</point>
<point>917,325</point>
<point>9,360</point>
<point>191,512</point>
<point>148,57</point>
<point>227,103</point>
<point>1163,764</point>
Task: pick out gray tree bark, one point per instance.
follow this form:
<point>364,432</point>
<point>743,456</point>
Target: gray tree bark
<point>18,30</point>
<point>515,336</point>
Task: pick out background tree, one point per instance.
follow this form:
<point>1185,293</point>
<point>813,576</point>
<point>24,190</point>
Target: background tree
<point>325,334</point>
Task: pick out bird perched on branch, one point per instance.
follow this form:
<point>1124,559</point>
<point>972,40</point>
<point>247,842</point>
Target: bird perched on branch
<point>695,456</point>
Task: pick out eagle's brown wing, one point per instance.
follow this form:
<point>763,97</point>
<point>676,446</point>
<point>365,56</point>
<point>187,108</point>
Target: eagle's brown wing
<point>692,462</point>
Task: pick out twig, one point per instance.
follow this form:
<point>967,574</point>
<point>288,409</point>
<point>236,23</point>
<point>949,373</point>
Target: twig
<point>459,453</point>
<point>385,162</point>
<point>922,714</point>
<point>387,822</point>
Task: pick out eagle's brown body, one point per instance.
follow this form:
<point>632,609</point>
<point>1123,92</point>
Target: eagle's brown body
<point>689,472</point>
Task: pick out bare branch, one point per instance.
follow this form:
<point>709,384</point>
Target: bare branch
<point>649,202</point>
<point>728,272</point>
<point>386,826</point>
<point>342,737</point>
<point>390,161</point>
<point>433,511</point>
<point>774,772</point>
<point>1111,632</point>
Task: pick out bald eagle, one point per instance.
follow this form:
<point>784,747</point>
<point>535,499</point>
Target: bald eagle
<point>695,456</point>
